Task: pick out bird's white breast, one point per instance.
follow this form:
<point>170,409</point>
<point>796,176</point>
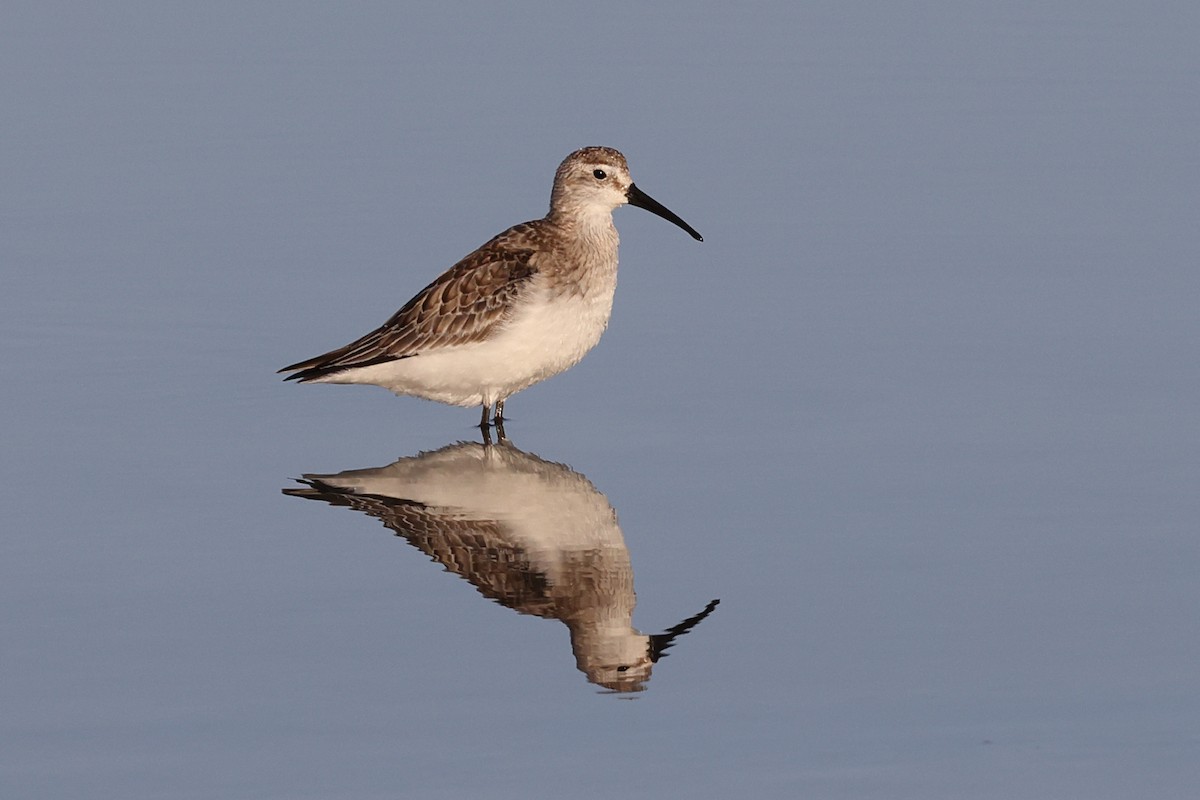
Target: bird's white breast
<point>550,330</point>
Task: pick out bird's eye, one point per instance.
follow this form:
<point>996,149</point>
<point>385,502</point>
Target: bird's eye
<point>623,667</point>
<point>599,174</point>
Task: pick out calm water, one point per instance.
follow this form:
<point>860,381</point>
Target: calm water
<point>920,411</point>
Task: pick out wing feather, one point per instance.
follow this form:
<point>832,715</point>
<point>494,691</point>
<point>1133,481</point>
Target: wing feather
<point>475,549</point>
<point>466,304</point>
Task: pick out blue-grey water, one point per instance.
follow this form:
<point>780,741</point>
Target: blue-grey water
<point>920,411</point>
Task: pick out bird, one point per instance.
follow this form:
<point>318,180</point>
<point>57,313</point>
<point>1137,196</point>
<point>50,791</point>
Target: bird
<point>526,305</point>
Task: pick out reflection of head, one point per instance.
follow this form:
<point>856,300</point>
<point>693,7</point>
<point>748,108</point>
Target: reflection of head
<point>622,660</point>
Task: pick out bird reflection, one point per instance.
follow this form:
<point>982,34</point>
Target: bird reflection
<point>530,534</point>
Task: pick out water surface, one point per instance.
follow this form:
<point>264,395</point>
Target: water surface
<point>919,411</point>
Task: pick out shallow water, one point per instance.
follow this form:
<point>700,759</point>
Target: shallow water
<point>919,411</point>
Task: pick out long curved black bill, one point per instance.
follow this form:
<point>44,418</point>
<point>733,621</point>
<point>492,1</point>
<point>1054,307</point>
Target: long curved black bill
<point>642,200</point>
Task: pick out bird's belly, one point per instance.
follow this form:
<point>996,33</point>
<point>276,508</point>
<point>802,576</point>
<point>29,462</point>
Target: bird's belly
<point>543,338</point>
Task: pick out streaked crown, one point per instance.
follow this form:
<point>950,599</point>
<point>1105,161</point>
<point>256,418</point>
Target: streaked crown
<point>591,176</point>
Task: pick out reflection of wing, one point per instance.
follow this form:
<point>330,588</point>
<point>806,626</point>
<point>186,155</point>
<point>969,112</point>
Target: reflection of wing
<point>474,549</point>
<point>463,305</point>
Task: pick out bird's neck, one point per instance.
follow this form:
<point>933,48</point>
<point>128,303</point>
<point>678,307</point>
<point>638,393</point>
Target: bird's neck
<point>591,222</point>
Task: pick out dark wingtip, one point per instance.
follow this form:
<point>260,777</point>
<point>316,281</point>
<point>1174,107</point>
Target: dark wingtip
<point>306,371</point>
<point>298,375</point>
<point>296,369</point>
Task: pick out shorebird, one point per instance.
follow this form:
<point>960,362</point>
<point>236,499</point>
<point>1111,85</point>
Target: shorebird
<point>525,306</point>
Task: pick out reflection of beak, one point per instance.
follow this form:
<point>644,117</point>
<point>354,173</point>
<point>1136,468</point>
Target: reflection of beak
<point>640,199</point>
<point>661,641</point>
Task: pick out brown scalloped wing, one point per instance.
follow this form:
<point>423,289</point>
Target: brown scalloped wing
<point>474,549</point>
<point>464,305</point>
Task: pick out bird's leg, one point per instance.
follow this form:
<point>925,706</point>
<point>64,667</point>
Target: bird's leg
<point>499,416</point>
<point>484,422</point>
<point>500,437</point>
